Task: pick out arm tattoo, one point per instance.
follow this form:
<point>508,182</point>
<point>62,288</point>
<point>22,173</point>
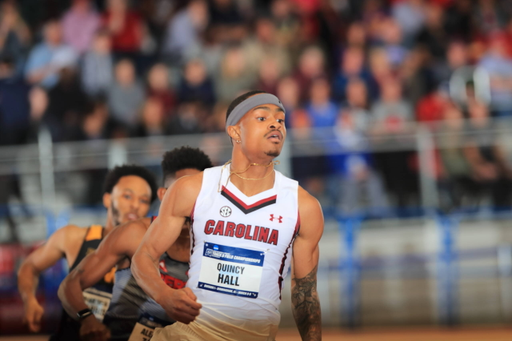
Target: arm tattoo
<point>306,307</point>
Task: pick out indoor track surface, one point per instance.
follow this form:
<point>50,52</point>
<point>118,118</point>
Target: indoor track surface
<point>409,334</point>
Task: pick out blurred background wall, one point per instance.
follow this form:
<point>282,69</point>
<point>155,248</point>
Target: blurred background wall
<point>398,117</point>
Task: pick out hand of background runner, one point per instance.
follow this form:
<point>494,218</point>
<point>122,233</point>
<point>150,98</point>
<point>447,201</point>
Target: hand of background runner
<point>33,314</point>
<point>93,330</point>
<point>181,305</point>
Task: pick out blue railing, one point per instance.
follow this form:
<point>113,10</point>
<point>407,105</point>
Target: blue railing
<point>353,269</point>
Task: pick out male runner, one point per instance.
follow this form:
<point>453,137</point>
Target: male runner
<point>128,193</point>
<point>249,223</point>
<point>132,314</point>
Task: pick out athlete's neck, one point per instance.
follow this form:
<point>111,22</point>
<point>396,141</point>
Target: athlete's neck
<point>109,226</point>
<point>260,171</point>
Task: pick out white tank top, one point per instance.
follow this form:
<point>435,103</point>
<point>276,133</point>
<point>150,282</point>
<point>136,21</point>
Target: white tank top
<point>241,253</point>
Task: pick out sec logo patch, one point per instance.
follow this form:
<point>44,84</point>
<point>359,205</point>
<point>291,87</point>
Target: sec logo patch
<point>225,211</point>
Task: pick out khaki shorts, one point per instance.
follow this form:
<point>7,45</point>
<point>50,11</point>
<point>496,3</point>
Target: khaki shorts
<point>181,332</point>
<point>188,332</point>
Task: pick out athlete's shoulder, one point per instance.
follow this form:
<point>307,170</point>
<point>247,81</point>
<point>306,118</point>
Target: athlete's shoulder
<point>69,236</point>
<point>189,183</point>
<point>139,225</point>
<point>71,231</point>
<point>125,238</point>
<point>308,204</point>
<point>310,215</point>
<point>305,197</point>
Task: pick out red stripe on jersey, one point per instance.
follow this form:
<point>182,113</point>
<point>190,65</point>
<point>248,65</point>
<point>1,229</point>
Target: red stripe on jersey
<point>192,227</point>
<point>283,261</point>
<point>247,207</point>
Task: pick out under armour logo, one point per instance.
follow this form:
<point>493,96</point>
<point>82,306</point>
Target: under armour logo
<point>280,219</point>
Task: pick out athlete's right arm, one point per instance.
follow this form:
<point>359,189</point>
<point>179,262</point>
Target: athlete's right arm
<point>120,243</point>
<point>180,304</point>
<point>28,275</point>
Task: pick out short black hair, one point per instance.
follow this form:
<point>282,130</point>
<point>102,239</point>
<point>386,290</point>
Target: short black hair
<point>183,158</point>
<point>242,98</point>
<point>118,172</point>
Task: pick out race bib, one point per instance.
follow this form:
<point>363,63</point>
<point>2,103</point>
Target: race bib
<point>98,301</point>
<point>144,329</point>
<point>141,333</point>
<point>231,270</point>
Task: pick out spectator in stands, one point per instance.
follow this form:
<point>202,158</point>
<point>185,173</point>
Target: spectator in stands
<point>348,162</point>
<point>126,95</point>
<point>459,21</point>
<point>14,105</point>
<point>432,107</point>
<point>390,117</point>
<point>217,119</point>
<point>159,87</point>
<point>416,75</point>
<point>353,181</point>
<point>311,66</point>
<point>97,66</point>
<point>321,110</point>
<point>14,34</point>
<point>125,28</point>
<point>96,123</point>
<point>184,31</point>
<point>489,16</point>
<point>79,25</point>
<point>68,104</point>
<point>44,59</point>
<point>486,158</point>
<point>152,121</point>
<point>380,69</point>
<point>226,20</point>
<point>287,24</point>
<point>288,93</point>
<point>357,104</point>
<point>410,15</point>
<point>457,180</point>
<point>356,36</point>
<point>208,49</point>
<point>499,68</point>
<point>233,76</point>
<point>321,113</point>
<point>456,57</point>
<point>433,37</point>
<point>263,44</point>
<point>390,37</point>
<point>187,119</point>
<point>269,74</point>
<point>352,65</point>
<point>391,112</point>
<point>196,84</point>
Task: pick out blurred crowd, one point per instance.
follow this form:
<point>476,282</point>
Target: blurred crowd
<point>89,70</point>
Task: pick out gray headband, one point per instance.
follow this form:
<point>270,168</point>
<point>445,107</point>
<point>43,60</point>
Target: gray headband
<point>241,109</point>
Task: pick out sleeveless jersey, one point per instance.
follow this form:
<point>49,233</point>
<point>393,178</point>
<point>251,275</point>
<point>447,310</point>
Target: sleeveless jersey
<point>96,297</point>
<point>132,314</point>
<point>241,253</point>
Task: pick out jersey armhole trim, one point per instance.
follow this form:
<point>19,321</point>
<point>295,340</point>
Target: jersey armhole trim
<point>95,232</point>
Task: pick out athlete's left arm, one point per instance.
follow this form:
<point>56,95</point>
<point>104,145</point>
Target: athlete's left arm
<point>305,301</point>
